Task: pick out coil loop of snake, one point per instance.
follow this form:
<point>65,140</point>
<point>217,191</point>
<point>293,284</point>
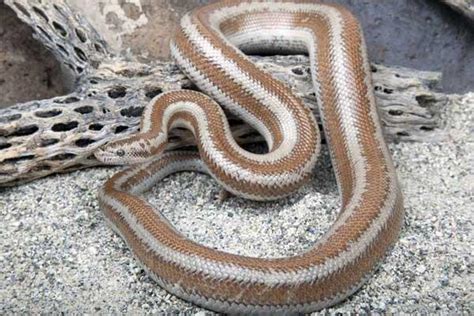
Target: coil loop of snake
<point>209,49</point>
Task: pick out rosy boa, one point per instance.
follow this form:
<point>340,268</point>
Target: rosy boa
<point>205,48</point>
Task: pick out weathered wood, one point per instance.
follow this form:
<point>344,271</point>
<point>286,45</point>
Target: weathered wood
<point>60,134</point>
<point>41,137</point>
<point>68,35</point>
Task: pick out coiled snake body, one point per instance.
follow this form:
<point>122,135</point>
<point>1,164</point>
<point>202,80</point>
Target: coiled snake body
<point>206,50</point>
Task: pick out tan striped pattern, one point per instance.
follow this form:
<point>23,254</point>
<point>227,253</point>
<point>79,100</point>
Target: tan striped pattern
<point>206,49</point>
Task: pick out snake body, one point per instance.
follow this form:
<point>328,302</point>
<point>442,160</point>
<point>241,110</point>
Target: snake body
<point>209,49</point>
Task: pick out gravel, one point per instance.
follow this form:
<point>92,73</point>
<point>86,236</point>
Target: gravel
<point>58,255</point>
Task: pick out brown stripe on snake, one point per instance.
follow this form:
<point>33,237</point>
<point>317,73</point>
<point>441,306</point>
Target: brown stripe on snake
<point>283,297</point>
<point>220,80</point>
<point>215,115</point>
<point>320,28</point>
<point>371,212</point>
<point>273,87</point>
<point>303,149</point>
<point>172,273</point>
<point>241,186</point>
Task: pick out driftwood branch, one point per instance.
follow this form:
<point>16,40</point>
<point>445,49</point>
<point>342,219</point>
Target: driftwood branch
<point>38,138</point>
<point>69,36</point>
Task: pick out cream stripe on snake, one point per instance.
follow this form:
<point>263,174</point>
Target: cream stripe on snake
<point>205,48</point>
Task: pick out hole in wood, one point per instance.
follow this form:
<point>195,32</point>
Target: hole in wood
<point>121,128</point>
<point>64,127</point>
<point>81,35</point>
<point>80,53</point>
<point>373,68</point>
<point>297,71</point>
<point>84,142</point>
<point>40,13</point>
<point>130,73</point>
<point>84,109</point>
<point>99,48</point>
<point>426,128</point>
<point>117,92</point>
<point>79,69</point>
<point>42,31</point>
<point>49,113</point>
<point>5,146</point>
<point>66,100</point>
<point>58,27</point>
<point>16,159</point>
<point>48,142</point>
<point>402,134</point>
<point>152,92</point>
<point>395,112</point>
<point>59,9</point>
<point>388,91</point>
<point>96,127</point>
<point>41,168</point>
<point>133,111</point>
<point>64,156</point>
<point>22,9</point>
<point>24,131</point>
<point>423,100</point>
<point>62,49</point>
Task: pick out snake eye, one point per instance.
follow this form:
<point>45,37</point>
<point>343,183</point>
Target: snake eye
<point>120,152</point>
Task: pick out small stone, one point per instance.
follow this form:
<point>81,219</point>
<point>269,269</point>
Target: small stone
<point>92,250</point>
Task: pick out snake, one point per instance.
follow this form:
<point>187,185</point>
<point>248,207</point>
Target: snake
<point>211,47</point>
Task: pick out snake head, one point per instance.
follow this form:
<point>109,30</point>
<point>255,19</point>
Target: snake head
<point>130,150</point>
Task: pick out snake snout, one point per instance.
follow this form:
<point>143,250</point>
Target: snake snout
<point>106,156</point>
<point>116,155</point>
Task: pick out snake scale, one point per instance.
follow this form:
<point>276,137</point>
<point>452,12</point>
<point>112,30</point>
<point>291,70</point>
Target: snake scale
<point>209,48</point>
